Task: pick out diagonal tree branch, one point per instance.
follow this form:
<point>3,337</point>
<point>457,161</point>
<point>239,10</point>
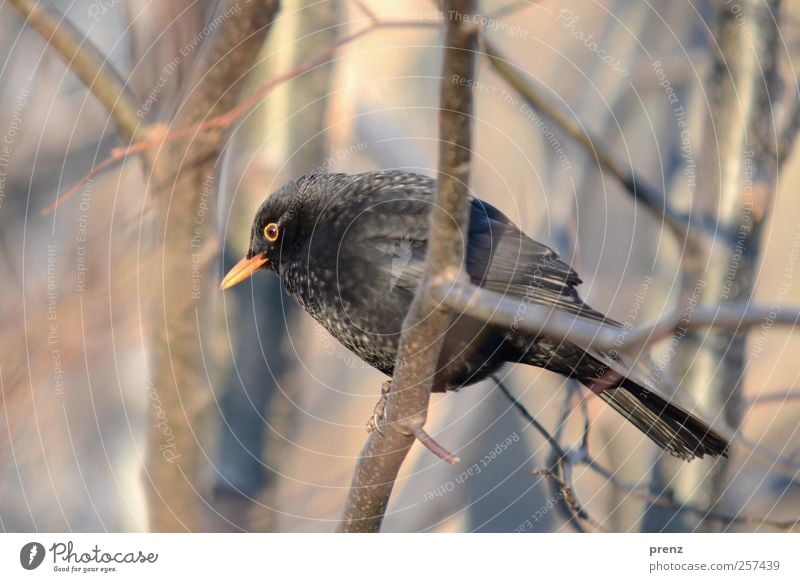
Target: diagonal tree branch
<point>505,311</point>
<point>86,61</point>
<point>638,187</point>
<point>425,324</point>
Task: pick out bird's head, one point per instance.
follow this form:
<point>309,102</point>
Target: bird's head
<point>282,222</point>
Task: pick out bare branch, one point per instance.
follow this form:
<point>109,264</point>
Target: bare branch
<point>789,395</point>
<point>85,60</point>
<point>569,496</point>
<point>519,313</point>
<point>425,323</point>
<point>158,134</point>
<point>559,472</point>
<point>568,458</point>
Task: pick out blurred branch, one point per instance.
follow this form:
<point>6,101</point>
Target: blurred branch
<point>160,135</point>
<point>226,119</point>
<point>310,25</point>
<point>570,458</point>
<point>425,323</point>
<point>638,187</point>
<point>685,507</point>
<point>788,135</point>
<point>85,60</point>
<point>781,397</point>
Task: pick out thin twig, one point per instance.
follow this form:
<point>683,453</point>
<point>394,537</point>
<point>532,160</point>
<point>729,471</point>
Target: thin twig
<point>634,489</point>
<point>784,396</point>
<point>434,447</point>
<point>560,460</point>
<point>158,135</point>
<point>569,496</point>
<point>106,163</point>
<point>703,512</point>
<point>86,61</point>
<point>551,440</point>
<point>367,11</point>
<point>226,119</point>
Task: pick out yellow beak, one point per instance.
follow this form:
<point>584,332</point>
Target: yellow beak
<point>243,270</point>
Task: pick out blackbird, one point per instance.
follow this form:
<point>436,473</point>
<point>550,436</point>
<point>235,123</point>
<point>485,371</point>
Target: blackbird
<point>350,249</point>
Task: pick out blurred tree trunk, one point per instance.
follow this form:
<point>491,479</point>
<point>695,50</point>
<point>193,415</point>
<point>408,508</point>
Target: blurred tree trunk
<point>315,28</point>
<point>259,410</point>
<point>735,186</point>
<point>185,245</point>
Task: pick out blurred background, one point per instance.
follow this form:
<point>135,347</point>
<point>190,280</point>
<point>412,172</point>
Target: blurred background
<point>268,438</point>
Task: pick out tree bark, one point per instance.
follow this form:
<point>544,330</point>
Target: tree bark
<point>407,401</point>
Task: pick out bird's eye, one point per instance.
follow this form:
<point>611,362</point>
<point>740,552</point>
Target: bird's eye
<point>271,232</point>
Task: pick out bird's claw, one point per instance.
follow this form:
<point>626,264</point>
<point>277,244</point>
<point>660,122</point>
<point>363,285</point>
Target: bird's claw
<point>379,412</point>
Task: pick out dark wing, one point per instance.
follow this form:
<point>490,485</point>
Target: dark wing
<point>504,259</point>
<point>500,257</point>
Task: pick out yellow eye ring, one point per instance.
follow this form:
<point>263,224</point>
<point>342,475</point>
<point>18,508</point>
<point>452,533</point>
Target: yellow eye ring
<point>271,232</point>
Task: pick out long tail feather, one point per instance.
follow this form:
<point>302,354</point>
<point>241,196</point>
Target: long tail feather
<point>671,427</point>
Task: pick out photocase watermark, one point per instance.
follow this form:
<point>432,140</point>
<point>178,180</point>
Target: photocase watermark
<point>745,226</point>
<point>474,469</point>
<point>338,156</point>
<point>487,23</point>
<point>161,81</point>
<point>67,559</point>
<point>368,357</point>
<point>534,517</point>
<point>342,154</point>
<point>736,10</point>
<point>100,8</point>
<point>569,21</point>
<point>758,342</point>
<point>633,315</point>
<point>184,51</point>
<point>680,331</point>
<point>82,237</point>
<point>687,152</point>
<point>53,336</point>
<point>196,243</point>
<point>534,283</point>
<point>526,110</point>
<point>6,148</point>
<point>168,448</point>
<point>476,20</point>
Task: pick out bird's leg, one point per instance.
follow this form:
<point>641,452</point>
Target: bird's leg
<point>380,409</point>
